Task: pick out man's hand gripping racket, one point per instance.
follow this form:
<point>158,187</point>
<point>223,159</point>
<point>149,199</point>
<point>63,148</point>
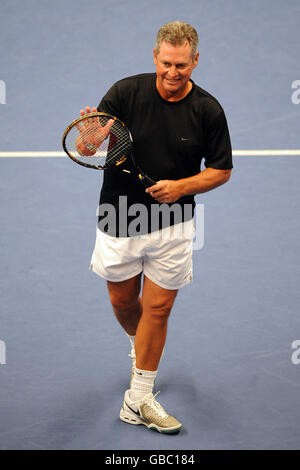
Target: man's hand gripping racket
<point>101,141</point>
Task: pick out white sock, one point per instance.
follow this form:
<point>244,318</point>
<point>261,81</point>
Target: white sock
<point>131,339</point>
<point>142,383</point>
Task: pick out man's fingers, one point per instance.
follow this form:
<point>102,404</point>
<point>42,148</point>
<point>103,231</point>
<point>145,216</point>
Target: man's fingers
<point>153,189</point>
<point>78,126</point>
<point>88,110</point>
<point>90,123</point>
<point>108,125</point>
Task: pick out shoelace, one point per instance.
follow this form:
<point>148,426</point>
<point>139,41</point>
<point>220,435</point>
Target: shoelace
<point>157,407</point>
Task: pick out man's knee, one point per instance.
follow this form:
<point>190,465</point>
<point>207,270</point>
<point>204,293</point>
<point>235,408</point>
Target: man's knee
<point>159,309</point>
<point>122,303</point>
<point>123,296</point>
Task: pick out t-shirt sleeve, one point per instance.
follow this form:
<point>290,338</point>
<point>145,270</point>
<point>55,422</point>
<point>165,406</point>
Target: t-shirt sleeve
<point>217,146</point>
<point>111,102</point>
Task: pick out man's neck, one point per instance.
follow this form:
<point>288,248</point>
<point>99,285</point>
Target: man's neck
<point>176,96</point>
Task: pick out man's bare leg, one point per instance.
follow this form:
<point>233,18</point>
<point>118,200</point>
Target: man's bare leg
<point>152,327</point>
<point>146,318</point>
<point>126,303</point>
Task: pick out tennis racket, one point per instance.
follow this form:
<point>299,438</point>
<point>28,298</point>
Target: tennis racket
<point>101,141</point>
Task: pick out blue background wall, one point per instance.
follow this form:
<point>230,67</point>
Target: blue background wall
<point>59,56</point>
<point>227,372</point>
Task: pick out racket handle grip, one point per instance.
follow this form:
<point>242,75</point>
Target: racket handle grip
<point>146,180</point>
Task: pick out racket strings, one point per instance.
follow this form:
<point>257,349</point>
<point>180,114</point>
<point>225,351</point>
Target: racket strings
<point>101,150</point>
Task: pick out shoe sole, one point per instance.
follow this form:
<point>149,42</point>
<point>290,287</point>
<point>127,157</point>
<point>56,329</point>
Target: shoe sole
<point>131,418</point>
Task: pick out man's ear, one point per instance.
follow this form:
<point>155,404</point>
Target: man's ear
<point>196,59</point>
<point>154,56</point>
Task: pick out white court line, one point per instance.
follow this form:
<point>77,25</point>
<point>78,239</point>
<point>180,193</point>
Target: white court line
<point>32,154</point>
<point>266,153</point>
<point>235,153</point>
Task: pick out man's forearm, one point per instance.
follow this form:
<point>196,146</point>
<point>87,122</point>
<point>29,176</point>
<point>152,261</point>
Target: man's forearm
<point>208,179</point>
<point>167,191</point>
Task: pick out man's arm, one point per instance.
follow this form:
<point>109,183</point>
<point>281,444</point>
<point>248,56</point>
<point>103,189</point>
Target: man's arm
<point>168,191</point>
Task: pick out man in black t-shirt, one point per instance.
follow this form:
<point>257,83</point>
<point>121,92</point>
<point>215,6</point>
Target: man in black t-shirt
<point>174,124</point>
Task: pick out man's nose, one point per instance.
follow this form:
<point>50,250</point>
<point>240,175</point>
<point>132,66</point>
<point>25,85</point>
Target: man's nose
<point>172,72</point>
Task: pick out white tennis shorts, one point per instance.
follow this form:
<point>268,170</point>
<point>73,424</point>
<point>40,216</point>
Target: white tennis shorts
<point>164,256</point>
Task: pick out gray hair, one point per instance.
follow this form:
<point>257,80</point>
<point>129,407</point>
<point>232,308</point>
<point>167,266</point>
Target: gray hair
<point>177,33</point>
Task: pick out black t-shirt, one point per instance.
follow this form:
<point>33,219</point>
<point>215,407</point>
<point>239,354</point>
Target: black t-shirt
<point>170,138</point>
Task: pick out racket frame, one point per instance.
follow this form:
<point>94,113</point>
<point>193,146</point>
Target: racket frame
<point>144,179</point>
<point>78,121</point>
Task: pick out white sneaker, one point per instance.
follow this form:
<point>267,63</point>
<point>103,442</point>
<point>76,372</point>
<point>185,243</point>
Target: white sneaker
<point>150,413</point>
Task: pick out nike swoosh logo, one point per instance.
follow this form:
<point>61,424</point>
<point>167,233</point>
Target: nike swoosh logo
<point>184,139</point>
<point>133,411</point>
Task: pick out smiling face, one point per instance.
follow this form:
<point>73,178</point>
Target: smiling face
<point>174,66</point>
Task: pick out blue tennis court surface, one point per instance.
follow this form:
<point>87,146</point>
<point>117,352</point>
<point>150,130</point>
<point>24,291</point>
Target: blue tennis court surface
<point>229,372</point>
